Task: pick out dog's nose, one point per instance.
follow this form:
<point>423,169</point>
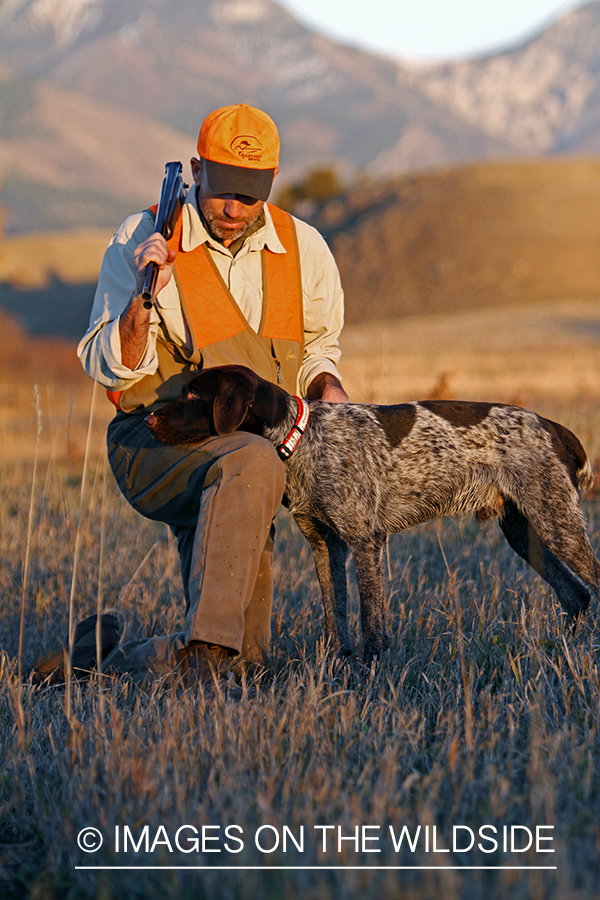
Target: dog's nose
<point>150,420</point>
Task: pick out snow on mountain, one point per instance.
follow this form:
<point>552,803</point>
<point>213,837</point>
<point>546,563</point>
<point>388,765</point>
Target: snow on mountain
<point>531,95</point>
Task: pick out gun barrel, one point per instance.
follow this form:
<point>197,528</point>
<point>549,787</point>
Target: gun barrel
<point>172,195</point>
<point>149,288</point>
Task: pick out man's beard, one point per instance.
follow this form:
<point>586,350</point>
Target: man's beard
<point>217,231</point>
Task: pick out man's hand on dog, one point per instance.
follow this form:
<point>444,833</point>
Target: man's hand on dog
<point>326,387</point>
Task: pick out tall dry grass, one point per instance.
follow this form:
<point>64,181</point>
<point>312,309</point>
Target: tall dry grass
<point>484,710</point>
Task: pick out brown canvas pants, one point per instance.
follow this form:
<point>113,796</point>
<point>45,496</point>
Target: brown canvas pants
<point>219,499</point>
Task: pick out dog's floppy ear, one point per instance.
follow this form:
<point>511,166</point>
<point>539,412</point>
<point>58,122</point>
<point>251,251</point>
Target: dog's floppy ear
<point>270,403</point>
<point>235,393</point>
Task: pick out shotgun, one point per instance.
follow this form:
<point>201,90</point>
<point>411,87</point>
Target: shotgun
<point>172,196</point>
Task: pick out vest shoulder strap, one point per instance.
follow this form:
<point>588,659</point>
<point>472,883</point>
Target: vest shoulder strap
<point>282,286</point>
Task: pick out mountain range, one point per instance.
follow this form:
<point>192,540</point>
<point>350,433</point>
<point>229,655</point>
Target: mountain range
<point>96,95</point>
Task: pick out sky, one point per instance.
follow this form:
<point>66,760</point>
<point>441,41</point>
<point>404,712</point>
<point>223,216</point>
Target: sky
<point>429,29</point>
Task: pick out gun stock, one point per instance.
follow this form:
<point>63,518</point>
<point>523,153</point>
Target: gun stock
<point>172,196</point>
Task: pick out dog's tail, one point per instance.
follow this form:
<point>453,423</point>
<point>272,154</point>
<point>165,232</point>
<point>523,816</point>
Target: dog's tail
<point>583,471</point>
<point>585,476</point>
<point>572,454</point>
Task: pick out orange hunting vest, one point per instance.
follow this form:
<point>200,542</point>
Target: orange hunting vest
<point>219,331</point>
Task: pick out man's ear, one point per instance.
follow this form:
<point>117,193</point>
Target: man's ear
<point>196,165</point>
<point>235,393</point>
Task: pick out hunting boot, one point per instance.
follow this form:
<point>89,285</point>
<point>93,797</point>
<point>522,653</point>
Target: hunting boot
<point>50,668</point>
<point>204,664</point>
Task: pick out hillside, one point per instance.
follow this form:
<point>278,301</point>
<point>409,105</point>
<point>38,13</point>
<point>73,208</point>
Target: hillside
<point>93,172</point>
<point>109,91</point>
<point>479,235</point>
<point>47,280</point>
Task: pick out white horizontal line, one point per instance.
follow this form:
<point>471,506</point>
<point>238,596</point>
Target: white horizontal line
<point>317,868</point>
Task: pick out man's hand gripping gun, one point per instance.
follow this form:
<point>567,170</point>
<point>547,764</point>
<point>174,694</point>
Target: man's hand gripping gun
<point>172,196</point>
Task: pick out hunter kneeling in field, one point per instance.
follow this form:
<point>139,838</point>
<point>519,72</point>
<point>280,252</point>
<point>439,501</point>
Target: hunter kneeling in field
<point>238,281</point>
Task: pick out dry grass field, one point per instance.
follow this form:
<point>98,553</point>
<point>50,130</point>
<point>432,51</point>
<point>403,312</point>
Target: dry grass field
<point>484,712</point>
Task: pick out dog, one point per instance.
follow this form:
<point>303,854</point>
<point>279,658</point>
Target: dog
<point>358,472</point>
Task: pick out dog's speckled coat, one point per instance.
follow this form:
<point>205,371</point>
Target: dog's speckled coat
<point>361,472</point>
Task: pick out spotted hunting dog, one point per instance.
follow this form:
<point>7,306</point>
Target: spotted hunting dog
<point>356,473</point>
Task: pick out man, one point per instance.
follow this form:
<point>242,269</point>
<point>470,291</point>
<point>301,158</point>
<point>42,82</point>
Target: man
<point>239,282</point>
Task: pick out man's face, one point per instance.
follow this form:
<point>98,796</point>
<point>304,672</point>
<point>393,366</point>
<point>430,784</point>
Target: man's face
<point>227,215</point>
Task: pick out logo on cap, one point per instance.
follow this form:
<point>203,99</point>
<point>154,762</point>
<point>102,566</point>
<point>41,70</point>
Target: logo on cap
<point>247,147</point>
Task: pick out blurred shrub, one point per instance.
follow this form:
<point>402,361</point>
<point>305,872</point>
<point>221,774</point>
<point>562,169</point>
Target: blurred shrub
<point>316,187</point>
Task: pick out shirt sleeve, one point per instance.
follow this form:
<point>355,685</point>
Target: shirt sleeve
<point>100,348</point>
<point>323,300</point>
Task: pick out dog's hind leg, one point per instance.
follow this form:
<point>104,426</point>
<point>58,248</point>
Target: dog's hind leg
<point>574,588</point>
<point>330,555</point>
<point>367,554</point>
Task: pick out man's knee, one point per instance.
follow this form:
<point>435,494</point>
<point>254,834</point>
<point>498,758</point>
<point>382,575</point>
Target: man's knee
<point>257,459</point>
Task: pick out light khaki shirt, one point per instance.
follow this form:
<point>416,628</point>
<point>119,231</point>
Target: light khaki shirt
<point>323,299</point>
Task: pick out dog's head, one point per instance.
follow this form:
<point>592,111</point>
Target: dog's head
<point>218,401</point>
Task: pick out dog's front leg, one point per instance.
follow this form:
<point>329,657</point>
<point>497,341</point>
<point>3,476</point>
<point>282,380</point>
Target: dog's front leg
<point>330,555</point>
<point>367,554</point>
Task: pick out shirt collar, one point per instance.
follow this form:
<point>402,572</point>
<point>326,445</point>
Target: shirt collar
<point>194,232</point>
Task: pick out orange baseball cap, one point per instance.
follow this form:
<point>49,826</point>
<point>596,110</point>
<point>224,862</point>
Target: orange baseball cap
<point>241,147</point>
